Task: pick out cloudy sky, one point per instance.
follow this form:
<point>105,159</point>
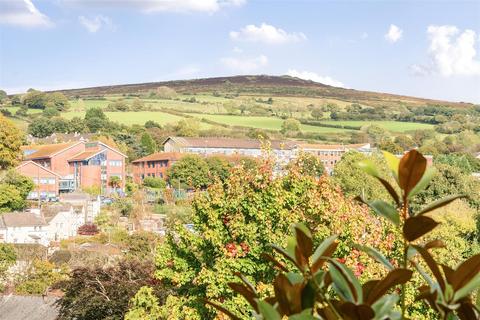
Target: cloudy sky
<point>419,48</point>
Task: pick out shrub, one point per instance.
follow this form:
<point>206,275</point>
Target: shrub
<point>88,229</point>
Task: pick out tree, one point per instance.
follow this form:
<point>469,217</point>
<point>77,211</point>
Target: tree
<point>218,168</point>
<point>76,125</point>
<point>187,128</point>
<point>144,306</point>
<point>50,112</point>
<point>95,119</point>
<point>190,171</point>
<point>119,105</point>
<point>40,276</point>
<point>8,257</point>
<point>308,164</point>
<point>41,128</point>
<point>152,124</point>
<point>3,96</point>
<point>354,181</point>
<point>22,183</point>
<point>57,100</point>
<point>405,142</point>
<point>149,145</point>
<point>108,290</point>
<point>290,126</point>
<point>234,222</point>
<point>390,146</point>
<point>35,99</point>
<point>137,105</point>
<point>11,139</point>
<point>88,229</point>
<point>377,134</point>
<point>164,92</point>
<point>317,113</point>
<point>115,182</point>
<point>155,183</point>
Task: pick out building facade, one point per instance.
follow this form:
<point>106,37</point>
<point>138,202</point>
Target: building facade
<point>23,227</point>
<point>66,167</point>
<point>154,165</point>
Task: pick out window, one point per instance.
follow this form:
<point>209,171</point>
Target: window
<point>115,163</point>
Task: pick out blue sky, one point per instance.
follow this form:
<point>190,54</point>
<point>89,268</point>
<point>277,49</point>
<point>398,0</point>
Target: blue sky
<point>419,48</point>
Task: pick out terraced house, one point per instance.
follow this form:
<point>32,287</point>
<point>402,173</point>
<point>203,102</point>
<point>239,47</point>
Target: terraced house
<point>66,167</point>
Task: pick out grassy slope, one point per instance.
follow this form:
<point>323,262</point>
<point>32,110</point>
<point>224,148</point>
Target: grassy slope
<point>394,126</point>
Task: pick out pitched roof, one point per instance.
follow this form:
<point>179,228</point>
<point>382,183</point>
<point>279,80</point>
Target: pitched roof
<point>160,156</point>
<point>28,307</point>
<point>50,211</point>
<point>24,163</point>
<point>45,150</point>
<point>213,142</point>
<point>22,219</point>
<point>85,155</point>
<point>318,146</point>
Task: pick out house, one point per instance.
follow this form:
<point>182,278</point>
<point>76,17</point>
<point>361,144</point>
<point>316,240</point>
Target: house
<point>89,204</point>
<point>330,154</point>
<point>23,227</point>
<point>284,151</point>
<point>66,167</point>
<point>154,165</point>
<point>63,220</point>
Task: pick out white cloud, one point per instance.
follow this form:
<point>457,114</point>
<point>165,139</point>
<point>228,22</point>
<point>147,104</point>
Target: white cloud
<point>22,13</point>
<point>452,52</point>
<point>266,33</point>
<point>419,70</point>
<point>307,75</point>
<point>152,6</point>
<point>245,65</point>
<point>237,50</point>
<point>394,34</point>
<point>95,24</point>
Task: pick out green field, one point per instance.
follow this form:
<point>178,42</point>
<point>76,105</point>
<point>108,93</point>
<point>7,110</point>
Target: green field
<point>269,123</point>
<point>394,126</point>
<point>130,118</point>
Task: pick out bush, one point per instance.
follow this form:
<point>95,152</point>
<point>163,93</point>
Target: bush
<point>88,229</point>
<point>156,183</point>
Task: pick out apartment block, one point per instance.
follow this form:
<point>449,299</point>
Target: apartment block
<point>154,165</point>
<point>66,167</point>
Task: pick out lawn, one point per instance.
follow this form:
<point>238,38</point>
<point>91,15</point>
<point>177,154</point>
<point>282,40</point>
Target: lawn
<point>269,123</point>
<point>130,118</point>
<point>394,126</point>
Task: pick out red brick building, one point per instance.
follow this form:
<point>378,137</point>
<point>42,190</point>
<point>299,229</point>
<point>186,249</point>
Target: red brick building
<point>66,167</point>
<point>154,165</point>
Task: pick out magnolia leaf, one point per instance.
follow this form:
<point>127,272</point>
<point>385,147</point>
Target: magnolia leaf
<point>423,183</point>
<point>274,261</point>
<point>411,168</point>
<point>384,306</point>
<point>467,288</point>
<point>268,311</point>
<point>417,226</point>
<point>390,190</point>
<point>393,278</point>
<point>385,210</point>
<point>341,275</point>
<point>304,243</point>
<point>369,167</point>
<point>325,249</point>
<point>434,244</point>
<point>440,203</point>
<point>393,162</point>
<point>286,255</point>
<point>376,255</point>
<point>465,272</point>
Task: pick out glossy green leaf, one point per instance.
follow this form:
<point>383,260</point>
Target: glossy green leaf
<point>346,274</point>
<point>268,311</point>
<point>384,306</point>
<point>385,210</point>
<point>468,288</point>
<point>423,183</point>
<point>392,162</point>
<point>440,203</point>
<point>325,249</point>
<point>369,167</point>
<point>304,315</point>
<point>376,255</point>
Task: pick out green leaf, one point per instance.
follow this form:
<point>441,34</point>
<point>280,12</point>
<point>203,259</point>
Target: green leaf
<point>340,285</point>
<point>440,203</point>
<point>465,272</point>
<point>268,311</point>
<point>376,255</point>
<point>468,288</point>
<point>304,315</point>
<point>325,249</point>
<point>410,170</point>
<point>417,226</point>
<point>369,167</point>
<point>385,210</point>
<point>384,306</point>
<point>354,285</point>
<point>423,183</point>
<point>393,162</point>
